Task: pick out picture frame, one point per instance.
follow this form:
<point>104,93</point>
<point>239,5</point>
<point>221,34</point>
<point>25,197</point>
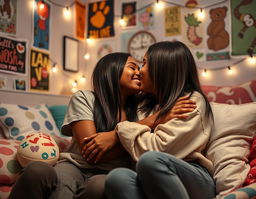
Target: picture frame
<point>20,84</point>
<point>70,54</point>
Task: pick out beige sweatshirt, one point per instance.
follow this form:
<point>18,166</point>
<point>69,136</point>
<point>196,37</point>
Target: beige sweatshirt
<point>185,139</point>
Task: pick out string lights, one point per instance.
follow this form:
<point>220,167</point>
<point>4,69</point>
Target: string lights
<point>230,69</point>
<point>159,4</point>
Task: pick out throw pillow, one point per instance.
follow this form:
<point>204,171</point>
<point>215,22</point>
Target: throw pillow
<point>248,192</point>
<point>238,94</point>
<point>229,145</point>
<point>16,120</point>
<point>58,112</point>
<point>37,146</point>
<point>9,165</point>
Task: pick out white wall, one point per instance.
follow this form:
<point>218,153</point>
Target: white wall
<point>60,82</point>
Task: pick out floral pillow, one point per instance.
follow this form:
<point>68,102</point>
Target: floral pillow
<point>15,120</point>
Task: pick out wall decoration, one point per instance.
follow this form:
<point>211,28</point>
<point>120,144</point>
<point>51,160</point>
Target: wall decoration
<point>193,31</point>
<point>3,82</point>
<point>41,25</point>
<point>13,55</point>
<point>104,50</point>
<point>198,54</point>
<point>218,36</point>
<point>101,19</point>
<point>217,56</point>
<point>20,84</point>
<point>243,27</point>
<point>8,15</point>
<point>80,20</point>
<point>191,3</point>
<point>146,18</point>
<point>70,54</point>
<point>129,14</point>
<point>39,70</point>
<point>139,43</point>
<point>172,21</point>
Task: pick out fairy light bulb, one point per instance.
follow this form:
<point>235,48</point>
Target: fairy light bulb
<point>67,13</point>
<point>83,79</point>
<point>204,73</point>
<point>74,84</point>
<point>159,5</point>
<point>42,6</point>
<point>54,69</point>
<point>200,14</point>
<point>230,71</point>
<point>87,56</point>
<point>122,22</point>
<point>251,60</point>
<point>89,41</point>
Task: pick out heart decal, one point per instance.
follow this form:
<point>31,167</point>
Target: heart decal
<point>34,148</point>
<point>20,48</point>
<point>199,55</point>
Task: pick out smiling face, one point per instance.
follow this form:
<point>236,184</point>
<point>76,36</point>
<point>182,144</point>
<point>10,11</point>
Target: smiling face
<point>146,82</point>
<point>130,78</point>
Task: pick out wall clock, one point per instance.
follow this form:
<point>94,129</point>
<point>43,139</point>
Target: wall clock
<point>139,43</point>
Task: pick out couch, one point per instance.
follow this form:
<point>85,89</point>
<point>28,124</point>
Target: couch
<point>234,109</point>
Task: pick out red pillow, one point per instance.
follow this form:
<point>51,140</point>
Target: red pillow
<point>239,94</point>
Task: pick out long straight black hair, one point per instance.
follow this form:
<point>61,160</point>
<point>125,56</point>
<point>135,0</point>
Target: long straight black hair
<point>173,72</point>
<point>106,85</point>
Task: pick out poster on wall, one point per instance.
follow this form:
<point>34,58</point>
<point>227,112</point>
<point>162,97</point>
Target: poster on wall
<point>129,14</point>
<point>13,55</point>
<point>243,27</point>
<point>80,20</point>
<point>192,30</point>
<point>101,19</point>
<point>172,21</point>
<point>217,36</point>
<point>146,18</point>
<point>8,15</point>
<point>39,70</point>
<point>41,25</point>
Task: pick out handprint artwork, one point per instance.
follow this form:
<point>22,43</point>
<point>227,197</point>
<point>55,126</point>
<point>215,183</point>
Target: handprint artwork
<point>100,20</point>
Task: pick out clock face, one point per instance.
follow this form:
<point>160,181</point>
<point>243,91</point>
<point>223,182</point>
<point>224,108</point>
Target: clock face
<point>139,43</point>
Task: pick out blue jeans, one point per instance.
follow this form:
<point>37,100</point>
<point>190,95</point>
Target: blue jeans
<point>160,175</point>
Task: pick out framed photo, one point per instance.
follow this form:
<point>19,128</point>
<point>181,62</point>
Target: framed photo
<point>70,54</point>
<point>20,84</point>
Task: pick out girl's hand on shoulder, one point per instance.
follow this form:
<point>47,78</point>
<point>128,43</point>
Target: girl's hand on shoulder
<point>97,145</point>
<point>182,106</point>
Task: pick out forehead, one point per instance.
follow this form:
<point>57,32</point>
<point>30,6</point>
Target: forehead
<point>131,60</point>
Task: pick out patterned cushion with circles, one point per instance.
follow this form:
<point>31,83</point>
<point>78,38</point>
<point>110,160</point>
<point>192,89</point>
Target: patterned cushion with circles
<point>15,120</point>
<point>9,165</point>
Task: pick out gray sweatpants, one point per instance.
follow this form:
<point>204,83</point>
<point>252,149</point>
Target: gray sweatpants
<point>77,183</point>
<point>160,175</point>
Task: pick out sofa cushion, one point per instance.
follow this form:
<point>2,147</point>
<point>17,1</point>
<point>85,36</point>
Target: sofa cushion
<point>248,192</point>
<point>229,145</point>
<point>16,120</point>
<point>9,165</point>
<point>58,112</point>
<point>238,94</point>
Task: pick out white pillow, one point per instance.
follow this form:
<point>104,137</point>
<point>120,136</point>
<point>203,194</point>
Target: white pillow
<point>15,120</point>
<point>229,145</point>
